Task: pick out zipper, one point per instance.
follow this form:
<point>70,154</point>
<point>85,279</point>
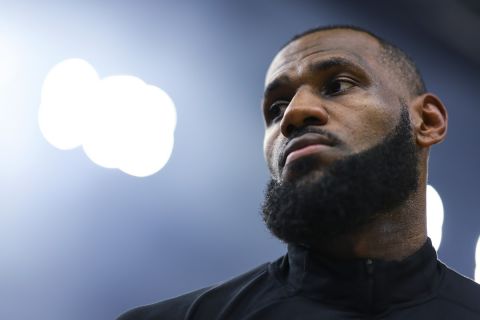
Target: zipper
<point>369,266</point>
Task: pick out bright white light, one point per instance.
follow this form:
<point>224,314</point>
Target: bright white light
<point>120,121</point>
<point>434,216</point>
<point>477,261</point>
<point>66,92</point>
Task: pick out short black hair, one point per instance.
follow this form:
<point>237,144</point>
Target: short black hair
<point>397,60</point>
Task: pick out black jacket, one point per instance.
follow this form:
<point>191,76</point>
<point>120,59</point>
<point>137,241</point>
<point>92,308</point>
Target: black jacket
<point>301,286</point>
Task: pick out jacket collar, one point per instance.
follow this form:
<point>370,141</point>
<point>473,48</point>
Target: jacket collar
<point>365,285</point>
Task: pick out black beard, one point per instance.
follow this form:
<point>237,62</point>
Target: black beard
<point>349,194</point>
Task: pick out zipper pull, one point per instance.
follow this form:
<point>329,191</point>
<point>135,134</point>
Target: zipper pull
<point>369,265</point>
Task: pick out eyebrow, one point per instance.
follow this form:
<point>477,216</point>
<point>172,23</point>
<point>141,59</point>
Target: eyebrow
<point>318,66</point>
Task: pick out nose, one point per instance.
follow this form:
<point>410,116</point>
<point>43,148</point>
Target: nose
<point>304,109</point>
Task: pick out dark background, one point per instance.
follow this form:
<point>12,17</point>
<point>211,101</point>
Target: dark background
<point>78,241</point>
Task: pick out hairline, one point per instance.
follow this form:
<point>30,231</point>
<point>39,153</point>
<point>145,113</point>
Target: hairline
<point>385,52</point>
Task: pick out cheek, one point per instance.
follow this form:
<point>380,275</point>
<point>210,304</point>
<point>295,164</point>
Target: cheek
<point>267,147</point>
<point>368,127</point>
<point>270,152</point>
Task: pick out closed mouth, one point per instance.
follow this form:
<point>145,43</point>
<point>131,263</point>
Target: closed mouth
<point>304,144</point>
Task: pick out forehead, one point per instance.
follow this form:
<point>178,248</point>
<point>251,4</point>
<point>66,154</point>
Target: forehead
<point>358,47</point>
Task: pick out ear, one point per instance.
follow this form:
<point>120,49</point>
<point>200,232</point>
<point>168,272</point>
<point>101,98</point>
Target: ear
<point>430,119</point>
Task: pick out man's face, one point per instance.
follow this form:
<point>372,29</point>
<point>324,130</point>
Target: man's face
<point>338,139</point>
<point>327,96</point>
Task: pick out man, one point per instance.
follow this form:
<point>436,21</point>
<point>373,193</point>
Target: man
<point>349,125</point>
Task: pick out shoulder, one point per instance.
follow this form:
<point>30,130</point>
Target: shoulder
<point>461,291</point>
<point>173,308</point>
<point>179,307</point>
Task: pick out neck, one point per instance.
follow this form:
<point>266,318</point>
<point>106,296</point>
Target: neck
<point>393,236</point>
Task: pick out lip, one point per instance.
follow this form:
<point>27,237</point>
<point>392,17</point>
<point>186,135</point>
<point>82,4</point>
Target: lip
<point>306,144</point>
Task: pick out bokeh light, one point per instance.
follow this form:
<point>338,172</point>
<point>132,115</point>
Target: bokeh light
<point>120,121</point>
<point>434,216</point>
<point>477,261</point>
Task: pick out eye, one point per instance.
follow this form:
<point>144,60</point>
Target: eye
<point>338,86</point>
<point>276,110</point>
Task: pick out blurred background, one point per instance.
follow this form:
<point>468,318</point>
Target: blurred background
<point>78,241</point>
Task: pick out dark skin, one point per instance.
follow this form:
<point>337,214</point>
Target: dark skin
<point>336,81</point>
